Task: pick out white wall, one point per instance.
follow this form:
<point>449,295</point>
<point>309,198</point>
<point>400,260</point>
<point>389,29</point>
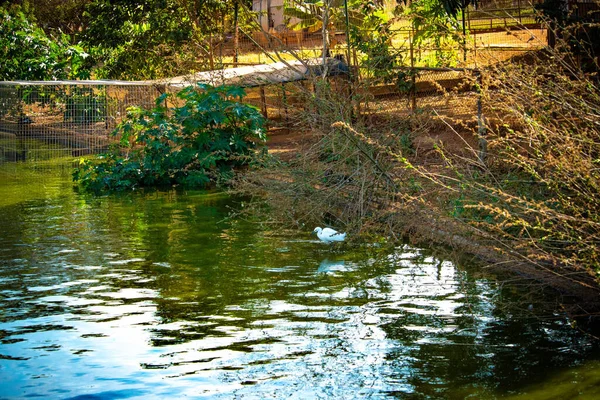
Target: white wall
<point>266,9</point>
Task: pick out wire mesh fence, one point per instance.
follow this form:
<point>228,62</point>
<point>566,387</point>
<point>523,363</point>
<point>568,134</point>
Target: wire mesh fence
<point>510,25</point>
<point>43,121</point>
<point>493,15</point>
<point>40,121</point>
<point>47,120</point>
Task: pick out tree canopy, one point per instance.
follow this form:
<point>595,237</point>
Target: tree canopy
<point>136,39</point>
<point>150,39</point>
<point>28,53</point>
<point>123,39</point>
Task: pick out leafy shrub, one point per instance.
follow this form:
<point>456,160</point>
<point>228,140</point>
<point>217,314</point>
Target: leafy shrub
<point>191,145</point>
<point>27,53</point>
<point>145,39</point>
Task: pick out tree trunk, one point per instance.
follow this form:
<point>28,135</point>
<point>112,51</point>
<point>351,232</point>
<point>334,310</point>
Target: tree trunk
<point>236,33</point>
<point>325,31</point>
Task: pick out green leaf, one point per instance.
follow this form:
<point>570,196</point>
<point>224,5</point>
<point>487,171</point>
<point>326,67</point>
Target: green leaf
<point>160,99</point>
<point>236,91</point>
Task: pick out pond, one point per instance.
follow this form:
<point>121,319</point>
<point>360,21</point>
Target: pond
<point>170,295</point>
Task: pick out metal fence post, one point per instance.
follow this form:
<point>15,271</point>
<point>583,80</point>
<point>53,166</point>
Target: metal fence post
<point>285,105</point>
<point>481,129</point>
<point>413,80</point>
<point>464,31</point>
<point>348,41</point>
<point>263,102</point>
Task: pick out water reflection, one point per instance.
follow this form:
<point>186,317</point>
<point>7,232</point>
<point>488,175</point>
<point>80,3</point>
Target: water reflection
<point>332,267</point>
<point>162,295</point>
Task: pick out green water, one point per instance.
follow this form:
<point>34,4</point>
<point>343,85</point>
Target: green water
<point>166,295</point>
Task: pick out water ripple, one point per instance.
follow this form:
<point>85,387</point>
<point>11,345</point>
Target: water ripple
<point>163,295</point>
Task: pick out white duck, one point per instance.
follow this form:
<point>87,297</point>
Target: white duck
<point>329,235</point>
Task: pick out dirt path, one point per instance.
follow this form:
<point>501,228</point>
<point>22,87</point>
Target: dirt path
<point>288,143</point>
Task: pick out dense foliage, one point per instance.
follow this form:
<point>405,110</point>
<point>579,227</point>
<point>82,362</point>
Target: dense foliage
<point>54,16</point>
<point>191,145</point>
<point>435,25</point>
<point>28,53</point>
<point>125,39</point>
<point>546,142</point>
<point>137,39</point>
<point>372,38</point>
<point>150,39</point>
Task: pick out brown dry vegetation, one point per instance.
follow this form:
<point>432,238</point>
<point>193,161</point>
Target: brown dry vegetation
<point>530,207</point>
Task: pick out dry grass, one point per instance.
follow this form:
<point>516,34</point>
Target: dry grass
<point>531,206</point>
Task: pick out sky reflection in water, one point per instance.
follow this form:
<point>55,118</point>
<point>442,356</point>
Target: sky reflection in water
<point>162,296</point>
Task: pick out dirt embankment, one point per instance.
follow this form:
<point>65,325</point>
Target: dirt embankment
<point>424,225</point>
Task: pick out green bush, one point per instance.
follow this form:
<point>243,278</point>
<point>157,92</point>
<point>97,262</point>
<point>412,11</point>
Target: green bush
<point>27,53</point>
<point>193,145</point>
